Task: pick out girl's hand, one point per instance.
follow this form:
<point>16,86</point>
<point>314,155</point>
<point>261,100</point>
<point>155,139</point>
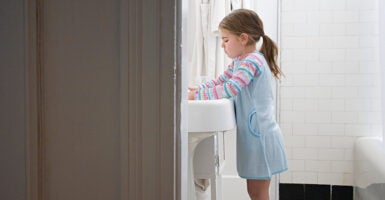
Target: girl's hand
<point>191,92</point>
<point>193,88</point>
<point>191,95</point>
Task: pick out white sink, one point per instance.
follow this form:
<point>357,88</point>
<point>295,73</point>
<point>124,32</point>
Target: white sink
<point>206,118</point>
<point>210,115</point>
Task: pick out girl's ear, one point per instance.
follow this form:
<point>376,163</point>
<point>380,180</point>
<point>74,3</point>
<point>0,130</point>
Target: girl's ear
<point>244,38</point>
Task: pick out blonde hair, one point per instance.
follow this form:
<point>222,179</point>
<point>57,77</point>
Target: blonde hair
<point>247,21</point>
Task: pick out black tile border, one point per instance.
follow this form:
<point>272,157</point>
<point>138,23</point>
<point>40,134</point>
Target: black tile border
<point>342,192</point>
<point>289,191</point>
<point>317,192</point>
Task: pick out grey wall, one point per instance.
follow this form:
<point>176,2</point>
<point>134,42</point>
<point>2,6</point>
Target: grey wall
<point>80,81</point>
<point>12,95</point>
<point>81,115</point>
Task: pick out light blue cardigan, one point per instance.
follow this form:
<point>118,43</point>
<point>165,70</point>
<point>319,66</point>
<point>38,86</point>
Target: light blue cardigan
<point>260,147</point>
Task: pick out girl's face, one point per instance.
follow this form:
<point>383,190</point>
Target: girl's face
<point>233,45</point>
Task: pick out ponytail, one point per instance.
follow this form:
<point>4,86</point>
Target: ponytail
<point>270,50</point>
<point>247,21</point>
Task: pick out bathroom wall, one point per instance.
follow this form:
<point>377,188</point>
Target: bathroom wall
<point>331,92</point>
<point>382,59</point>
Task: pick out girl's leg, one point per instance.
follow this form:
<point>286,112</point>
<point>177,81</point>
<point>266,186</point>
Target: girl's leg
<point>258,189</point>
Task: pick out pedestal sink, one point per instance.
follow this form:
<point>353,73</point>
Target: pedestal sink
<point>205,118</point>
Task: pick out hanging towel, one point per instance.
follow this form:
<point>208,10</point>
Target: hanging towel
<point>203,184</point>
<point>218,12</point>
<point>195,42</point>
<point>237,4</point>
<point>206,56</point>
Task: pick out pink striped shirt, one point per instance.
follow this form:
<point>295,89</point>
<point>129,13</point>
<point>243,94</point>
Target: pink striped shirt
<point>232,81</point>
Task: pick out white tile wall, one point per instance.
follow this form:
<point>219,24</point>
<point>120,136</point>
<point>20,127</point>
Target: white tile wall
<point>331,92</point>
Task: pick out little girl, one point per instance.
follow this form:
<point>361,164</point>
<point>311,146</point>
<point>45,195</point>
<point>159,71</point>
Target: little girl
<point>248,80</point>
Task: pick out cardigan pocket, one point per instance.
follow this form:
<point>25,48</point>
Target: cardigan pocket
<point>252,123</point>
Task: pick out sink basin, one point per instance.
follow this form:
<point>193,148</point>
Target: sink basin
<point>206,118</point>
<point>210,115</point>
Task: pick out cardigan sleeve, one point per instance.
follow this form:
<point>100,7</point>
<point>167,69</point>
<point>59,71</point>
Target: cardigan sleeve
<point>231,86</point>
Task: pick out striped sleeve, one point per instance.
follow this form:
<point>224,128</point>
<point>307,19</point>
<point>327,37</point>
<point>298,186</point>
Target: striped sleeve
<point>246,71</point>
<point>221,78</point>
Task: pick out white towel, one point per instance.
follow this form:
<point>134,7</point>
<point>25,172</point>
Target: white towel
<point>218,10</point>
<point>202,189</point>
<point>237,4</point>
<point>203,184</point>
<point>207,59</point>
